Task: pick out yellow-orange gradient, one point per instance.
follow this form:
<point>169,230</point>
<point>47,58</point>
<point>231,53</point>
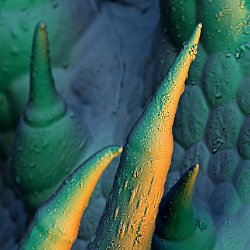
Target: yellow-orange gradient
<point>129,218</point>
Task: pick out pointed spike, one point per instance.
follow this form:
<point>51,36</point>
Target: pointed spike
<point>42,84</point>
<point>47,125</point>
<point>141,175</point>
<point>45,104</point>
<point>194,39</point>
<point>56,223</point>
<point>173,85</point>
<point>176,219</point>
<point>180,223</point>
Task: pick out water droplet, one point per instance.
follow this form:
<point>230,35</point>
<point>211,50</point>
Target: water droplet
<point>242,4</point>
<point>202,225</point>
<point>116,213</point>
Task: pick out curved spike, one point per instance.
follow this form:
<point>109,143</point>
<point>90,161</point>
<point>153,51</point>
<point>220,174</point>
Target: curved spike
<point>129,218</point>
<point>176,219</point>
<point>45,105</point>
<point>56,223</point>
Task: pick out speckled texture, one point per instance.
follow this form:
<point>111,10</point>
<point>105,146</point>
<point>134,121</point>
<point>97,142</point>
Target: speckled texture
<point>108,92</point>
<point>128,221</point>
<point>56,222</point>
<point>48,129</point>
<point>181,224</point>
<point>212,121</point>
<point>101,78</point>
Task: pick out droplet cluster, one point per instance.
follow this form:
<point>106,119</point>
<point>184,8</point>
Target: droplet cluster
<point>212,124</point>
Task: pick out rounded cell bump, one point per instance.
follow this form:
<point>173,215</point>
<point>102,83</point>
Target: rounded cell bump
<point>223,127</point>
<point>243,96</point>
<point>221,79</point>
<point>197,154</point>
<point>244,140</point>
<point>232,235</point>
<point>191,117</point>
<point>243,218</point>
<point>225,24</point>
<point>177,157</point>
<point>242,181</point>
<point>224,200</point>
<point>195,76</point>
<point>222,165</point>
